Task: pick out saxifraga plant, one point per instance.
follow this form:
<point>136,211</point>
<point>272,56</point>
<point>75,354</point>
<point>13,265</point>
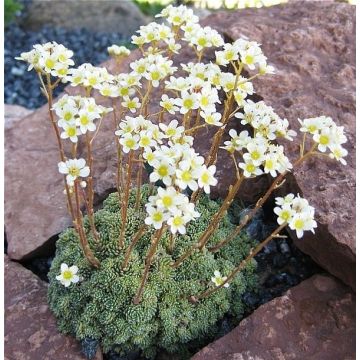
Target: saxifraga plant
<point>147,270</point>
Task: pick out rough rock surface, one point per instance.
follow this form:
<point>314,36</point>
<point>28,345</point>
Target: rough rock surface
<point>14,113</point>
<point>30,328</point>
<point>312,46</point>
<point>314,320</point>
<point>119,16</point>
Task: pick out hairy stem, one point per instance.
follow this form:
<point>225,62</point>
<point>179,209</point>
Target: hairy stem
<point>154,243</point>
<point>125,201</point>
<point>80,229</point>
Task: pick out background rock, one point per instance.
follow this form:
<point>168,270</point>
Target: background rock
<point>122,16</point>
<point>314,320</point>
<point>30,328</point>
<point>14,113</point>
<point>312,46</point>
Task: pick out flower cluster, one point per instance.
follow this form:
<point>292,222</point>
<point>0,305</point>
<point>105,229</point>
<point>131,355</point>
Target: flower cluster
<point>77,115</point>
<point>172,207</point>
<point>174,162</point>
<point>327,135</point>
<point>248,53</point>
<point>296,212</point>
<point>50,58</point>
<point>88,76</point>
<point>117,51</point>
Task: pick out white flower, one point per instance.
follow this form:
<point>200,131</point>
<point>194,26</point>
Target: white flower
<point>168,104</point>
<point>163,170</point>
<point>129,142</point>
<point>338,153</point>
<point>172,130</point>
<point>301,223</point>
<point>156,217</point>
<point>250,169</point>
<point>68,275</point>
<point>187,102</point>
<point>168,199</point>
<point>131,104</point>
<point>206,177</point>
<point>284,213</point>
<point>70,132</point>
<point>73,169</point>
<point>212,118</point>
<point>218,279</point>
<point>177,222</point>
<point>288,199</point>
<point>85,121</point>
<point>185,176</point>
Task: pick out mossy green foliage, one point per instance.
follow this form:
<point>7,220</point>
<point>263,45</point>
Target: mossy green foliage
<point>100,306</point>
<point>10,8</point>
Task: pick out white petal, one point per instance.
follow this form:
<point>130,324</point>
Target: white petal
<point>64,267</point>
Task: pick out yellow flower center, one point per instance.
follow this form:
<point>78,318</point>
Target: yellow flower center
<point>255,155</point>
<point>145,141</point>
<point>205,178</point>
<point>92,81</point>
<point>285,215</point>
<point>202,41</point>
<point>155,75</point>
<point>157,216</point>
<point>49,63</point>
<point>188,103</point>
<point>299,224</point>
<point>178,221</point>
<point>186,176</point>
<point>167,200</point>
<point>67,275</point>
<point>141,69</point>
<point>229,55</point>
<point>163,170</point>
<point>71,131</point>
<point>249,59</point>
<point>74,171</point>
<point>130,143</point>
<point>312,128</point>
<point>323,140</point>
<point>84,120</point>
<point>67,116</point>
<point>250,168</point>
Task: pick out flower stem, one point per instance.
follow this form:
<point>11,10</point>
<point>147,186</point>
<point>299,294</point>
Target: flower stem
<point>134,241</point>
<point>154,243</point>
<point>241,266</point>
<point>125,201</point>
<point>78,223</point>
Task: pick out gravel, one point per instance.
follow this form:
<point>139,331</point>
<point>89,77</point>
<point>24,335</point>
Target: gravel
<point>21,86</point>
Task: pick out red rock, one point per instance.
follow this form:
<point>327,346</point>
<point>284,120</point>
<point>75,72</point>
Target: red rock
<point>30,328</point>
<point>312,46</point>
<point>314,320</point>
<point>14,113</point>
